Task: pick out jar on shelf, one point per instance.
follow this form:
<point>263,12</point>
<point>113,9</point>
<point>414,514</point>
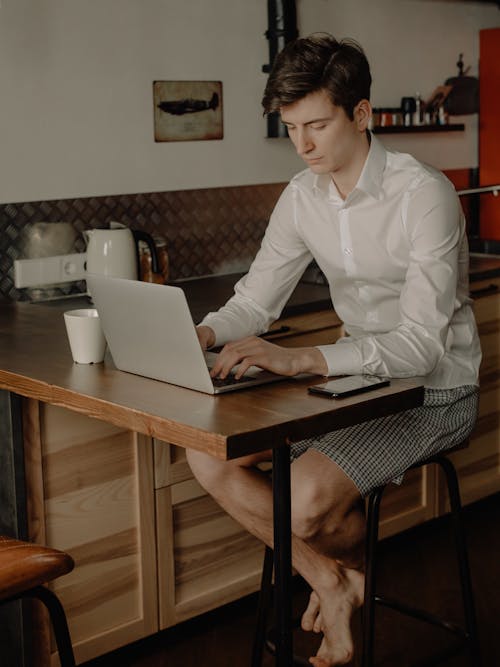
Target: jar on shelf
<point>147,274</point>
<point>375,118</point>
<point>386,117</point>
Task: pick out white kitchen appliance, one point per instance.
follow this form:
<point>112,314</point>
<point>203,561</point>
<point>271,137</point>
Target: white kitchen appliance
<point>114,251</point>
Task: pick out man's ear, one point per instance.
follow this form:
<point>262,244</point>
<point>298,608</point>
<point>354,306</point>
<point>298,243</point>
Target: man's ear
<point>362,114</point>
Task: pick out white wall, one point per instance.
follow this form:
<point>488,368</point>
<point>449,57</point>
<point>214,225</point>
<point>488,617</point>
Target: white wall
<point>76,111</point>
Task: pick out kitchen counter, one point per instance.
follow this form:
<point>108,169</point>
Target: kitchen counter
<point>212,292</point>
<point>482,267</point>
<point>310,295</point>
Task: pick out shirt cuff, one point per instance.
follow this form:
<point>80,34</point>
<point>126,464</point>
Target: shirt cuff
<point>342,359</point>
<point>221,329</point>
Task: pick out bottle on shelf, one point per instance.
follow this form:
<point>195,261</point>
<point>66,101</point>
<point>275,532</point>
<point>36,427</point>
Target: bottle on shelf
<point>408,106</point>
<point>442,116</point>
<point>417,116</point>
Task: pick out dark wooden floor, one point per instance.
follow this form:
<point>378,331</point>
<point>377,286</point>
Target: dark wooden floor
<point>418,566</point>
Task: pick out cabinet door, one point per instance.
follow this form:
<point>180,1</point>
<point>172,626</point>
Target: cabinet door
<point>478,466</point>
<point>409,504</point>
<point>95,500</point>
<point>205,558</point>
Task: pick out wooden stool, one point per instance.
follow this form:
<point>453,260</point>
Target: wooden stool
<point>468,634</point>
<point>24,567</point>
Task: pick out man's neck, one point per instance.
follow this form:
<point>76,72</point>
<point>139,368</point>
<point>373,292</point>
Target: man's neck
<point>345,179</point>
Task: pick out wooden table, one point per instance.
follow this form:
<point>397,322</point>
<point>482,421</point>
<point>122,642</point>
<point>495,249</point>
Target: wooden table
<point>35,362</point>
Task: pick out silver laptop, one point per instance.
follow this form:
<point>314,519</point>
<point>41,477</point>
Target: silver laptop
<point>150,332</point>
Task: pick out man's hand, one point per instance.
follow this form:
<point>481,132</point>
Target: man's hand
<point>206,336</point>
<point>254,351</point>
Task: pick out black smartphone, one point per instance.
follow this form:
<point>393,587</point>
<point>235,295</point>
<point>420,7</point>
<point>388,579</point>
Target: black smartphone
<point>348,385</point>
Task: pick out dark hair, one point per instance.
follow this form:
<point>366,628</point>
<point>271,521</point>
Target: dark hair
<point>319,62</point>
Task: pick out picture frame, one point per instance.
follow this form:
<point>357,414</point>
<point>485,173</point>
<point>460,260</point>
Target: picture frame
<point>187,110</point>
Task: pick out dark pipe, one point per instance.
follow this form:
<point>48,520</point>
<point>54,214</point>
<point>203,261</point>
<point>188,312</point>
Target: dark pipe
<point>282,28</point>
<point>282,22</point>
<point>475,204</point>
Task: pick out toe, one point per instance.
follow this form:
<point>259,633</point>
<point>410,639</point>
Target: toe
<point>311,613</point>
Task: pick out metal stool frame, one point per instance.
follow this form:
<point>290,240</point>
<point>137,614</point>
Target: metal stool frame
<point>57,617</point>
<point>468,634</point>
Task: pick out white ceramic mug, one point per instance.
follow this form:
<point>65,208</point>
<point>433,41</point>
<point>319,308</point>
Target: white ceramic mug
<point>85,335</point>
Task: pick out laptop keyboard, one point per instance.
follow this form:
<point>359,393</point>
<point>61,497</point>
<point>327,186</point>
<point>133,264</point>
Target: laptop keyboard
<point>210,358</point>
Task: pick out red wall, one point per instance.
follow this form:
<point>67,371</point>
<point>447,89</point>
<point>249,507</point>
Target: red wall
<point>489,130</point>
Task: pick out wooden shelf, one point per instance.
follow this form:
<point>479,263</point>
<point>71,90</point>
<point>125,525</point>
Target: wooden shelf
<point>417,129</point>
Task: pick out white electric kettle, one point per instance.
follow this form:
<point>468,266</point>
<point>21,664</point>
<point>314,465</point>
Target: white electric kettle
<point>114,251</point>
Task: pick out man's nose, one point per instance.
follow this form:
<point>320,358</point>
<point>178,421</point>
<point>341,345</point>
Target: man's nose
<point>303,143</point>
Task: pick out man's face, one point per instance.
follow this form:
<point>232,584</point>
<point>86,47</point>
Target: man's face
<point>323,135</point>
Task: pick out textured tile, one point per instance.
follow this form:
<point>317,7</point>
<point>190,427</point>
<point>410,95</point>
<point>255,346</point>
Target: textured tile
<point>208,231</point>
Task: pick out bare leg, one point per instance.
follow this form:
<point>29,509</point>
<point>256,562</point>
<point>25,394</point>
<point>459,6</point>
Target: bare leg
<point>334,528</point>
<point>326,521</point>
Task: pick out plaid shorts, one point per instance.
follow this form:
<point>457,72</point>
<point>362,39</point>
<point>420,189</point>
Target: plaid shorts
<point>381,450</point>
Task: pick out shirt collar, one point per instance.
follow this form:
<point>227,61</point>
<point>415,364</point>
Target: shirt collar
<point>371,177</point>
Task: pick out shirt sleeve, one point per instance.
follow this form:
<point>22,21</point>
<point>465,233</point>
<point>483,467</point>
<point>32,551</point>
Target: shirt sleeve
<point>262,293</point>
<point>434,224</point>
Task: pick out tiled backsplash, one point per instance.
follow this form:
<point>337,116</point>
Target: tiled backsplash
<point>209,231</point>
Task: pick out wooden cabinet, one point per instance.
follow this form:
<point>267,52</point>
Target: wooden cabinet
<point>91,494</point>
<point>205,559</point>
<point>479,465</point>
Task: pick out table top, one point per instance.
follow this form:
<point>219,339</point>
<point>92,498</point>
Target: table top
<point>35,362</point>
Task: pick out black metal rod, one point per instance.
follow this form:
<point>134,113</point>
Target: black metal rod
<point>282,556</point>
<point>463,561</point>
<point>422,615</point>
<point>374,501</point>
<point>59,623</point>
<point>282,28</point>
<point>262,608</point>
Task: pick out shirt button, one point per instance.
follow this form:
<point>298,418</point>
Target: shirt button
<point>347,251</point>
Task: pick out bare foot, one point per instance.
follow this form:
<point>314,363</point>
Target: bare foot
<point>338,603</point>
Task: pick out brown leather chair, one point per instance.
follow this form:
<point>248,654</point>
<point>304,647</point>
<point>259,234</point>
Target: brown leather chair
<point>24,567</point>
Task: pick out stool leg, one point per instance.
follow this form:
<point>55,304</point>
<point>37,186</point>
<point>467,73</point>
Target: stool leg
<point>59,623</point>
<point>463,561</point>
<point>263,608</point>
<point>372,520</point>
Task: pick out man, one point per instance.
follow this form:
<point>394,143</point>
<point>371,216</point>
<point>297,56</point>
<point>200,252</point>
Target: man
<point>389,235</point>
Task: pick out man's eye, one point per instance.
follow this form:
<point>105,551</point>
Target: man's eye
<point>319,127</point>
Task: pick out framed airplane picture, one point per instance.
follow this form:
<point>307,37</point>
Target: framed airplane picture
<point>187,110</point>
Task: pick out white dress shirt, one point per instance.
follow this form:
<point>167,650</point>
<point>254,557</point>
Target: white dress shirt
<point>395,255</point>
